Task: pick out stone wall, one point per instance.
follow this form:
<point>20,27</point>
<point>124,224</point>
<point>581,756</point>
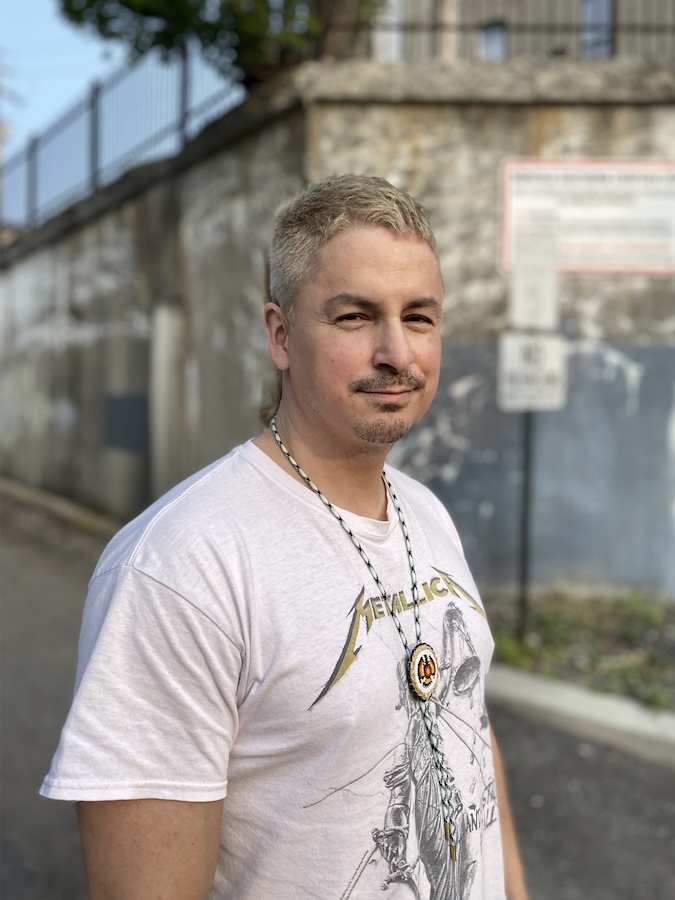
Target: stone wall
<point>143,309</point>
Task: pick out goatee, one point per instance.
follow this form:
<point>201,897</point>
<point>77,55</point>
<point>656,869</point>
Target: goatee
<point>383,431</point>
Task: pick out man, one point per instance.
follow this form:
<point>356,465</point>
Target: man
<point>280,690</point>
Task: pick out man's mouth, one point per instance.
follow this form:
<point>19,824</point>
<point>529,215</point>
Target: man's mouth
<point>389,395</point>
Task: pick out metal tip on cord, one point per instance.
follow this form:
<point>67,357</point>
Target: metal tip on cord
<point>448,837</point>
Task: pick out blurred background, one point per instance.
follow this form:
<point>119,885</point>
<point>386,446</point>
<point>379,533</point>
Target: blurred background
<point>143,159</point>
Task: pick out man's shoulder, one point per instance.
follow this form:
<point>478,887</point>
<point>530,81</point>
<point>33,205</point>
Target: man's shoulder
<point>200,507</point>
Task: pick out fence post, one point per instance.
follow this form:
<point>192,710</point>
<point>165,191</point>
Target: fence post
<point>94,136</point>
<point>31,187</point>
<point>184,96</point>
<point>614,28</point>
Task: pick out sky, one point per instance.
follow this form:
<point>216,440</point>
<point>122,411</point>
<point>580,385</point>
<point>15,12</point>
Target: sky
<point>46,65</point>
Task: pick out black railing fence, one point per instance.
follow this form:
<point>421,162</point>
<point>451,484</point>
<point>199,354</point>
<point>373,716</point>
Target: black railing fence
<point>149,110</point>
<point>497,30</point>
<point>141,113</point>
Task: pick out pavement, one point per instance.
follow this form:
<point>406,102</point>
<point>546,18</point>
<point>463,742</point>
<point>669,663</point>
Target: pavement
<point>592,777</point>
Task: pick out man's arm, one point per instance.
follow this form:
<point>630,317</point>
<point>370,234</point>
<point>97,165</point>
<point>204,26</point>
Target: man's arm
<point>149,849</point>
<point>516,888</point>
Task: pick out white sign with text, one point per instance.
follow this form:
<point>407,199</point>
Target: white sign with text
<point>531,372</point>
<point>611,215</point>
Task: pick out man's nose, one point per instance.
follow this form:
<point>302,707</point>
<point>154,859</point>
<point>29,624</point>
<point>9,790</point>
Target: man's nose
<point>393,348</point>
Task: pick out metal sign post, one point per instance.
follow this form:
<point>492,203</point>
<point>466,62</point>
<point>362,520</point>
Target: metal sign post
<point>525,507</point>
<point>532,369</point>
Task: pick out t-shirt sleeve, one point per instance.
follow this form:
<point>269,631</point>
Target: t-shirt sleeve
<point>154,713</point>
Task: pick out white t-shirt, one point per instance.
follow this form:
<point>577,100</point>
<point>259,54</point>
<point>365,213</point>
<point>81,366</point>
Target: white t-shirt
<point>235,645</point>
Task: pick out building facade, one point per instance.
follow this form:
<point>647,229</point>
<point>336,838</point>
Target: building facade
<point>501,30</point>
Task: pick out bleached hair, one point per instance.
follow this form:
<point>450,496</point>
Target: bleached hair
<point>323,210</point>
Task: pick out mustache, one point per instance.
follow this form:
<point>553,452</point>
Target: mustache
<point>384,380</point>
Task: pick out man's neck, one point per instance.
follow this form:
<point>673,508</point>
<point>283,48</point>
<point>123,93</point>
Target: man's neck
<point>352,482</point>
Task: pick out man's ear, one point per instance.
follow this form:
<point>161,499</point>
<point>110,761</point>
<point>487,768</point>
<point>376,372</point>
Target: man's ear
<point>276,329</point>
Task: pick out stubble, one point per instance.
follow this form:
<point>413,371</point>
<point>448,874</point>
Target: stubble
<point>389,426</point>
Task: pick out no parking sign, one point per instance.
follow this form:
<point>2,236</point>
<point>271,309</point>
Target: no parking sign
<point>531,372</point>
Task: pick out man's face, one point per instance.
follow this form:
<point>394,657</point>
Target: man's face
<point>364,350</point>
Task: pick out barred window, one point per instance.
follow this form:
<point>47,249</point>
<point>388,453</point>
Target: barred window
<point>493,42</point>
<point>597,18</point>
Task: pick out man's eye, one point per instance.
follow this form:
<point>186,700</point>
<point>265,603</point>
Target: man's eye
<point>351,317</point>
<point>418,319</point>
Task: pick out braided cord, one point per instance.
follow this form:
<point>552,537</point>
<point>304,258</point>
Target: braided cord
<point>445,779</point>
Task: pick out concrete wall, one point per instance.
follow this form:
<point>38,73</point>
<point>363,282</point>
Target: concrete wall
<point>74,333</point>
<point>154,298</point>
<point>210,355</point>
<point>131,351</point>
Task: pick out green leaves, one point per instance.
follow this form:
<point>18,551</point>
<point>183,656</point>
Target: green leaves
<point>247,39</point>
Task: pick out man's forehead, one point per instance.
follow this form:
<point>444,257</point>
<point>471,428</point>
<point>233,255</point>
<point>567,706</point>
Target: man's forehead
<point>355,231</point>
<point>359,249</point>
<point>336,302</point>
<point>364,264</point>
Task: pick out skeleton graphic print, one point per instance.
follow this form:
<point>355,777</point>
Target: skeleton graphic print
<point>408,854</point>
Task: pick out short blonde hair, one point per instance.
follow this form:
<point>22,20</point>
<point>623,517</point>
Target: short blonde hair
<point>323,210</point>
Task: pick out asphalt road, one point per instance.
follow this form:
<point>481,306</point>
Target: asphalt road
<point>594,823</point>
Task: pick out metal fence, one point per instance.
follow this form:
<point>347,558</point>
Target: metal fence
<point>141,113</point>
<point>148,111</point>
<point>500,30</point>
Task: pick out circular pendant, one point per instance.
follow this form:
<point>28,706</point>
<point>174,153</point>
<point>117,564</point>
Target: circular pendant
<point>423,671</point>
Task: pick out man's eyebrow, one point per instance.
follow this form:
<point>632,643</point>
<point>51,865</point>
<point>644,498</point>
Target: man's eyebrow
<point>425,303</point>
<point>345,298</point>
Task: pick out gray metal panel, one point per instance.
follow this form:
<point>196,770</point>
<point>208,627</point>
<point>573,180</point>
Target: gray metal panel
<point>126,422</point>
<point>604,468</point>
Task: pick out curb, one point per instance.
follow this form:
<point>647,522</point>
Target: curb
<point>68,511</point>
<point>612,720</point>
